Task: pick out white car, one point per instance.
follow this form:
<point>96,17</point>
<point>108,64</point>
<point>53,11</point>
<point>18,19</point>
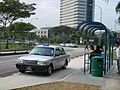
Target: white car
<point>43,59</point>
<point>72,45</point>
<point>62,44</point>
<point>67,44</point>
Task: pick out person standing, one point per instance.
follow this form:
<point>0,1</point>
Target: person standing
<point>98,50</point>
<point>92,54</point>
<point>118,56</point>
<point>86,45</point>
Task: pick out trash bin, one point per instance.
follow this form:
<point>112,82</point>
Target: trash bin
<point>97,66</point>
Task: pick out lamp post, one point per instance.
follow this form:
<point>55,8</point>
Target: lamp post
<point>100,18</point>
<point>100,12</point>
<point>100,21</point>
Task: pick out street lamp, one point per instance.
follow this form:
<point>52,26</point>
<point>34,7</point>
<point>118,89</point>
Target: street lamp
<point>100,18</point>
<point>100,13</point>
<point>100,21</point>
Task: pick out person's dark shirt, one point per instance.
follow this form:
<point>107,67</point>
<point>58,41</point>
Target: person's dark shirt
<point>98,52</point>
<point>92,54</point>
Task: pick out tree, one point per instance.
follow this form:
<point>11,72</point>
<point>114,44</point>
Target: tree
<point>60,34</point>
<point>118,10</point>
<point>11,10</point>
<point>20,30</point>
<point>2,32</point>
<point>42,39</point>
<point>75,36</point>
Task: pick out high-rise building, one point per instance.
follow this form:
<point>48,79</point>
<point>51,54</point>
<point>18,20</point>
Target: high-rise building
<point>73,12</point>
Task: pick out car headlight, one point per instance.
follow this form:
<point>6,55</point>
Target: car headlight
<point>20,61</point>
<point>41,63</point>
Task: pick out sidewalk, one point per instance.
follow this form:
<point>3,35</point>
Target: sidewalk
<point>111,81</point>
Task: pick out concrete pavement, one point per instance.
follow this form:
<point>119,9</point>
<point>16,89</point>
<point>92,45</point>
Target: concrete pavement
<point>74,73</point>
<point>111,81</point>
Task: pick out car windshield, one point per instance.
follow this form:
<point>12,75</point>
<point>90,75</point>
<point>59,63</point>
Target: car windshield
<point>44,51</point>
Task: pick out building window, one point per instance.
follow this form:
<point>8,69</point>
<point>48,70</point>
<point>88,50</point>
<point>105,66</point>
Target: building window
<point>38,32</point>
<point>41,32</point>
<point>44,32</point>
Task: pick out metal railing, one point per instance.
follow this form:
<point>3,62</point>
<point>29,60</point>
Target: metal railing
<point>106,64</point>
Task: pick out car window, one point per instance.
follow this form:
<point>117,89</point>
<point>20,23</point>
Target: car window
<point>44,51</point>
<point>58,51</point>
<point>62,51</point>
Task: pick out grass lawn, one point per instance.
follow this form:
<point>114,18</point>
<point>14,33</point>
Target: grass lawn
<point>61,86</point>
<point>15,47</point>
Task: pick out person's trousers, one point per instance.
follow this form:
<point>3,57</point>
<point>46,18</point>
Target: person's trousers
<point>118,64</point>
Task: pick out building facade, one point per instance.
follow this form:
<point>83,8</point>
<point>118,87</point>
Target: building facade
<point>41,32</point>
<point>73,12</point>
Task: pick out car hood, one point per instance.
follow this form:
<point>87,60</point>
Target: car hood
<point>36,57</point>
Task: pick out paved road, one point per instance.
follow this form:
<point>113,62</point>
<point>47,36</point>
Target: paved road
<point>7,63</point>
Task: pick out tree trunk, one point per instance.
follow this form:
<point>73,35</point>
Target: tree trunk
<point>7,47</point>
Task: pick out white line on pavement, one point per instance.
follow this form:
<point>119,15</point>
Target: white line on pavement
<point>69,75</point>
<point>7,61</point>
<point>9,56</point>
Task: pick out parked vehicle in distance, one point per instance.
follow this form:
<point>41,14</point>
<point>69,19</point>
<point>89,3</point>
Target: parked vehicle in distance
<point>62,44</point>
<point>67,44</point>
<point>43,59</point>
<point>73,45</point>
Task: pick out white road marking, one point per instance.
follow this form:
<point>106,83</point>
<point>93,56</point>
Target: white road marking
<point>2,57</point>
<point>69,75</point>
<point>8,61</point>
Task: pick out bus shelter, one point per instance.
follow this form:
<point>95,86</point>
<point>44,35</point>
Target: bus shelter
<point>90,28</point>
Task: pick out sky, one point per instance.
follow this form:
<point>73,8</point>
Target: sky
<point>48,13</point>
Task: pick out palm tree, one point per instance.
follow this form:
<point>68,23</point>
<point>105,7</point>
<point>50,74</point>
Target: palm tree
<point>118,10</point>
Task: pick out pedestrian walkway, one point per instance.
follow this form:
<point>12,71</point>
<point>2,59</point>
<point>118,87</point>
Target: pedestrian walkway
<point>111,81</point>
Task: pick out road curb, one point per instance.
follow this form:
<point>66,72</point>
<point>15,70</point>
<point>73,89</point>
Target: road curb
<point>13,53</point>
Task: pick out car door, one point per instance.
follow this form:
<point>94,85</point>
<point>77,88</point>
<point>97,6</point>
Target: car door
<point>63,57</point>
<point>57,58</point>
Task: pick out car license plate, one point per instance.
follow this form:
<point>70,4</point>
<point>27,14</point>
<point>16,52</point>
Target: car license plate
<point>29,68</point>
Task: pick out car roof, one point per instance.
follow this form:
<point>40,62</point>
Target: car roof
<point>51,46</point>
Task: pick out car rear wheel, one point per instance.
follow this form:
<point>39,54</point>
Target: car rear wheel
<point>22,71</point>
<point>49,70</point>
<point>65,65</point>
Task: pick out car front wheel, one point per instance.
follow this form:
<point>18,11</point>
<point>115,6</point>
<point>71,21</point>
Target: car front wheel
<point>49,70</point>
<point>22,71</point>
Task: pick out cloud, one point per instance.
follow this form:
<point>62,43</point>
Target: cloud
<point>47,12</point>
<point>48,5</point>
